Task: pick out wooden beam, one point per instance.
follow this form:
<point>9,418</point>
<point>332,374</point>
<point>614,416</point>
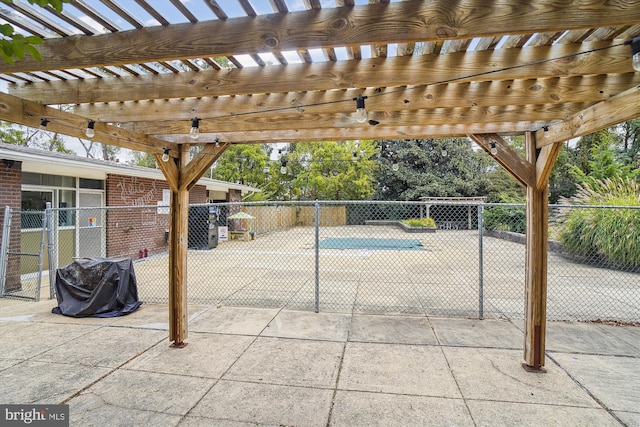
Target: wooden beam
<point>622,107</point>
<point>547,157</point>
<point>536,268</point>
<point>591,88</point>
<point>201,163</point>
<point>507,157</point>
<point>170,172</point>
<point>457,67</point>
<point>362,132</point>
<point>404,22</point>
<point>28,113</point>
<point>178,243</point>
<point>300,121</point>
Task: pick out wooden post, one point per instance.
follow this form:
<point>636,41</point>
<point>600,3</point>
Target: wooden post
<point>182,175</point>
<point>178,243</point>
<point>536,268</point>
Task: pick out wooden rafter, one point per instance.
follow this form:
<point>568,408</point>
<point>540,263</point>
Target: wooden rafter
<point>29,113</point>
<point>361,132</point>
<point>398,71</point>
<point>622,107</point>
<point>402,22</point>
<point>301,121</point>
<point>592,88</point>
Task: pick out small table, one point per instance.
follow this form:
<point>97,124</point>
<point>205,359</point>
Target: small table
<point>239,234</point>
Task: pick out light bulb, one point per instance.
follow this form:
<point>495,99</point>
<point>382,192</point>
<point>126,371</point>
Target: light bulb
<point>283,169</point>
<point>354,157</point>
<point>635,52</point>
<point>165,155</point>
<point>194,132</point>
<point>43,124</point>
<point>494,149</point>
<point>90,129</point>
<point>635,61</point>
<point>361,112</point>
<point>395,166</point>
<point>444,152</point>
<point>361,115</point>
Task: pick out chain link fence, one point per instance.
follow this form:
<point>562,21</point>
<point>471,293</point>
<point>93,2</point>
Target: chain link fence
<point>362,257</point>
<point>23,257</point>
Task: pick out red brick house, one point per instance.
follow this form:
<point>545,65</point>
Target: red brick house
<point>30,178</point>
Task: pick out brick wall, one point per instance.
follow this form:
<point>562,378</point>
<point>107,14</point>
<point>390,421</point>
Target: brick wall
<point>234,196</point>
<point>131,231</point>
<point>11,195</point>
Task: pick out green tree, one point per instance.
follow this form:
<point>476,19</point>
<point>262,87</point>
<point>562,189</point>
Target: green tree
<point>410,169</point>
<point>329,170</point>
<point>145,160</point>
<point>33,138</point>
<point>13,45</point>
<point>562,181</point>
<point>96,150</point>
<point>630,142</point>
<point>600,160</point>
<point>244,164</point>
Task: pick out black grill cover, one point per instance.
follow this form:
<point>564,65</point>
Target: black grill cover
<point>97,287</point>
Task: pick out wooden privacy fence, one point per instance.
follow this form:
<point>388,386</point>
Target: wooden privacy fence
<point>278,217</point>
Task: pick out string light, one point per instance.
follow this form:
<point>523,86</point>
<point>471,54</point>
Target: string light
<point>165,155</point>
<point>444,152</point>
<point>634,43</point>
<point>361,112</point>
<point>283,166</point>
<point>395,166</point>
<point>90,132</point>
<point>422,86</point>
<point>494,148</point>
<point>43,123</point>
<point>194,132</point>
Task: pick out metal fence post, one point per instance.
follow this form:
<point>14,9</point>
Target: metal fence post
<point>480,265</point>
<point>4,248</point>
<point>50,249</point>
<point>317,230</point>
<point>41,253</point>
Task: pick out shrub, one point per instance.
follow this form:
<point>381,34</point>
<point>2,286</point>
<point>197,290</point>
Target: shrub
<point>610,236</point>
<point>420,222</point>
<point>505,218</point>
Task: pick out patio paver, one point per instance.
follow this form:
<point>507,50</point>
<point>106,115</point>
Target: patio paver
<point>274,366</point>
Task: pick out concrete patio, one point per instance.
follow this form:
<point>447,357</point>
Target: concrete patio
<point>248,366</point>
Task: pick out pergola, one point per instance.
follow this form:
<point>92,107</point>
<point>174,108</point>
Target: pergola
<point>549,69</point>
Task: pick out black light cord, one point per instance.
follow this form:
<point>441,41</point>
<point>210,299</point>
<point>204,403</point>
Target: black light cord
<point>425,85</point>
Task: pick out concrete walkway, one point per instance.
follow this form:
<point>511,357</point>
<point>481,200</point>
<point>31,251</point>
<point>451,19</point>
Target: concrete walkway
<point>248,366</point>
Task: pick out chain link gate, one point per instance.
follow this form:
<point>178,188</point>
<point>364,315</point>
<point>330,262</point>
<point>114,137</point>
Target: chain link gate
<point>22,253</point>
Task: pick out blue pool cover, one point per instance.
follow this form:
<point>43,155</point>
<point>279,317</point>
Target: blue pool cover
<point>371,244</point>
